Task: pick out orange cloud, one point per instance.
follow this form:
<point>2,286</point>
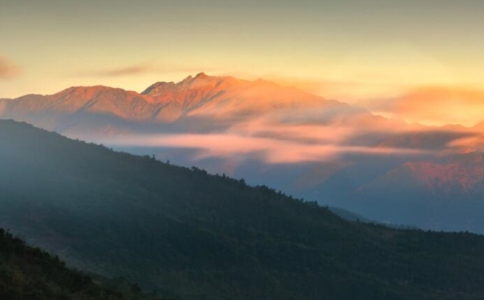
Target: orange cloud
<point>315,86</point>
<point>8,69</point>
<point>354,90</point>
<point>301,132</point>
<point>288,136</point>
<point>439,106</point>
<point>270,150</point>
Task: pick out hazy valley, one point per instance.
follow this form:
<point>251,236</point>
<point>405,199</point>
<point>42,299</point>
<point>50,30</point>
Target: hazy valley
<point>190,235</point>
<point>333,150</point>
<point>322,150</point>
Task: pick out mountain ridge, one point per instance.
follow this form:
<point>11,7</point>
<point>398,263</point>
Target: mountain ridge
<point>199,236</point>
<point>162,102</point>
<point>305,145</point>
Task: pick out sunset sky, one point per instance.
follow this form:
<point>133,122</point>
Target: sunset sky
<point>397,58</point>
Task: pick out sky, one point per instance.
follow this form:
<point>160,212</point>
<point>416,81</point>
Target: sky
<point>397,58</point>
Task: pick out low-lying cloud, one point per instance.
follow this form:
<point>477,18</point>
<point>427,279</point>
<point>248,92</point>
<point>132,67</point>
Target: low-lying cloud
<point>269,150</point>
<point>286,137</point>
<point>469,143</point>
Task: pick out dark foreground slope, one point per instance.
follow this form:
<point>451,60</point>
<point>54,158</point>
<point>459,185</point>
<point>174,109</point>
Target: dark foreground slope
<point>198,236</point>
<point>32,274</point>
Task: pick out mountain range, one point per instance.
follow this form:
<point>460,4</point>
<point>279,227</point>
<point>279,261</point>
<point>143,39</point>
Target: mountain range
<point>307,146</point>
<point>116,111</point>
<point>191,235</point>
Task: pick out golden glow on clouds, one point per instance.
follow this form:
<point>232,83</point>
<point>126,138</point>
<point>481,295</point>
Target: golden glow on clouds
<point>469,144</point>
<point>377,70</point>
<point>437,106</point>
<point>281,137</point>
<point>269,150</point>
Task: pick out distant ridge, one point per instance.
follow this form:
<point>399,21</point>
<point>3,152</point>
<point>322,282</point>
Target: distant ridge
<point>78,109</point>
<point>305,145</point>
<point>199,236</point>
<point>198,104</point>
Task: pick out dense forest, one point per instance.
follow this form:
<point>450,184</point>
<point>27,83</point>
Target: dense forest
<point>28,273</point>
<point>192,235</point>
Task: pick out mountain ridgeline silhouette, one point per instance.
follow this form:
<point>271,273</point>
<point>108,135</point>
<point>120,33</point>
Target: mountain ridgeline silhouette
<point>193,235</point>
<point>114,111</point>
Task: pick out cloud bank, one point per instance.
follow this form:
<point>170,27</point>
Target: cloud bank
<point>294,137</point>
<point>271,151</point>
<point>283,137</point>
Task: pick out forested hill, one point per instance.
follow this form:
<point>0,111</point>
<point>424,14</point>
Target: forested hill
<point>198,236</point>
<point>28,273</point>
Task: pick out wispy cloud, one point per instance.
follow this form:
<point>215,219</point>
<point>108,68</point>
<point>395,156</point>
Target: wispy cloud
<point>143,68</point>
<point>474,141</point>
<point>8,69</point>
<point>269,150</point>
<point>125,71</point>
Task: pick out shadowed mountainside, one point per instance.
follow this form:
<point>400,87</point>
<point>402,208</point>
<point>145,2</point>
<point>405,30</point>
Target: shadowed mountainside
<point>30,273</point>
<point>201,236</point>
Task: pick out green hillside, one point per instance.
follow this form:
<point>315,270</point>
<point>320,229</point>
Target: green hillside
<point>32,274</point>
<point>196,236</point>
